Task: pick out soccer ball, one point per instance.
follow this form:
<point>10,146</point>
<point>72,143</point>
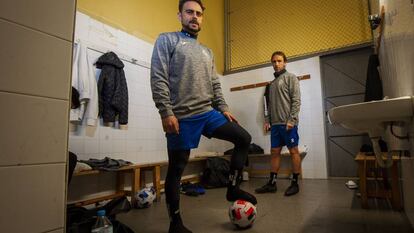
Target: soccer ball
<point>242,213</point>
<point>145,197</point>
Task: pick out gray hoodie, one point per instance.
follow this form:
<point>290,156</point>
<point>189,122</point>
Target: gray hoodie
<point>282,102</point>
<point>184,80</point>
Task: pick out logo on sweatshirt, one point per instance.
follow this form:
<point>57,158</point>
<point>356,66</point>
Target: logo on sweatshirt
<point>206,53</point>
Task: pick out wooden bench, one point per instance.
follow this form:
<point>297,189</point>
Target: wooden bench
<point>136,173</point>
<point>365,163</point>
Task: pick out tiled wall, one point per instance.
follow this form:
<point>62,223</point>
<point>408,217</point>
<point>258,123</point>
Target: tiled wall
<point>397,72</point>
<point>36,53</point>
<point>397,49</point>
<point>247,105</point>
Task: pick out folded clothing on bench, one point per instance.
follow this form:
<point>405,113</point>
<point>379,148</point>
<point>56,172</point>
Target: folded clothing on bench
<point>106,164</point>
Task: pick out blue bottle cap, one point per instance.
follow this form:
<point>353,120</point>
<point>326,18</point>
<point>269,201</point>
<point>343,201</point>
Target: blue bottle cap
<point>101,213</point>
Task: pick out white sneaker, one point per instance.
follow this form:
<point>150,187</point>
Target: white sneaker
<point>351,184</point>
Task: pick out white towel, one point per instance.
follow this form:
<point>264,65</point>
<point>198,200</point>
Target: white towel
<point>84,80</point>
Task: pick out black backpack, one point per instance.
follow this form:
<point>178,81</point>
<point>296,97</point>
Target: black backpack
<point>255,149</point>
<point>81,220</point>
<point>216,173</point>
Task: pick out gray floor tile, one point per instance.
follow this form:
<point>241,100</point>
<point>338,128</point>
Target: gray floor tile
<point>321,206</point>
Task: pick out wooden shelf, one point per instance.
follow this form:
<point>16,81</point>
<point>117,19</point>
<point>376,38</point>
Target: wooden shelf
<point>262,84</point>
<point>367,161</point>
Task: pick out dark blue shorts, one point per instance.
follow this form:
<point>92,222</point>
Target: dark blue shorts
<point>281,137</point>
<point>193,127</point>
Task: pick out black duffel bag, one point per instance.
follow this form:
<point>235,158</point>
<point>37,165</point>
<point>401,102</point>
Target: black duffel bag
<point>216,173</point>
<point>81,220</point>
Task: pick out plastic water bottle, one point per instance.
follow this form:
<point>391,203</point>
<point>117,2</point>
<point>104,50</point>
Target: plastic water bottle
<point>102,225</point>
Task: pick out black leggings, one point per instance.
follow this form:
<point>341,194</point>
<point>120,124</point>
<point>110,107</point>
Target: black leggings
<point>177,159</point>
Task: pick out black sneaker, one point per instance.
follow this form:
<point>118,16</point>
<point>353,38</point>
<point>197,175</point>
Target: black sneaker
<point>267,188</point>
<point>178,228</point>
<point>234,194</point>
<point>292,190</point>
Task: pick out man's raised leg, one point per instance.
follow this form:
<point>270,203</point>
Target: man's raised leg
<point>241,139</point>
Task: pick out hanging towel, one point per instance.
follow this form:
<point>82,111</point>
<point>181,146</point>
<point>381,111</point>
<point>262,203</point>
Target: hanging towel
<point>84,80</point>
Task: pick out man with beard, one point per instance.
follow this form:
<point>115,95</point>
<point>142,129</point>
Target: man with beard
<point>187,92</point>
<point>282,105</point>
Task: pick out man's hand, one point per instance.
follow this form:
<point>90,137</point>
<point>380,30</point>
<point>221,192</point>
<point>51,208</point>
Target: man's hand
<point>170,125</point>
<point>230,117</point>
<point>266,127</point>
<point>289,126</point>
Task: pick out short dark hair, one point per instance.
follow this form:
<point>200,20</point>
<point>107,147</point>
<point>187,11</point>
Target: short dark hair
<point>279,53</point>
<point>181,4</point>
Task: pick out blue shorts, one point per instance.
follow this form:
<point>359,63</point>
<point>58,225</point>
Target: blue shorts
<point>281,137</point>
<point>192,128</point>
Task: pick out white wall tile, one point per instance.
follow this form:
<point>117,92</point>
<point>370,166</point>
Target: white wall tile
<point>106,147</point>
<point>91,146</point>
<point>397,49</point>
<point>77,146</point>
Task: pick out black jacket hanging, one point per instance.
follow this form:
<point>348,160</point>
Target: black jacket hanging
<point>112,88</point>
<point>75,99</point>
<point>373,86</point>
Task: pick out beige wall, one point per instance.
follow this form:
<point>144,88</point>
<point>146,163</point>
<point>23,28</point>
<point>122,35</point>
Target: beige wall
<point>36,42</point>
<point>147,19</point>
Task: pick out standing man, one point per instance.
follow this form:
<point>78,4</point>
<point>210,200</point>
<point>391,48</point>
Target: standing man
<point>187,92</point>
<point>282,105</point>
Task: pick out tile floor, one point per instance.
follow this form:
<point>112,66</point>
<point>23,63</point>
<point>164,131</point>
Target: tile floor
<point>322,206</point>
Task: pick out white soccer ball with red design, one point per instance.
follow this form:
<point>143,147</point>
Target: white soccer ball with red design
<point>242,213</point>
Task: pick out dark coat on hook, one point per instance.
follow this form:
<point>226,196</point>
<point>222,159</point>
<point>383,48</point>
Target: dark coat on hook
<point>373,85</point>
<point>112,89</point>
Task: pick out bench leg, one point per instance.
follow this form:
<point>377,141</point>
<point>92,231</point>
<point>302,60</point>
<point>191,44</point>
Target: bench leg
<point>143,178</point>
<point>363,183</point>
<point>156,181</point>
<point>120,182</point>
<point>395,187</point>
<point>135,184</point>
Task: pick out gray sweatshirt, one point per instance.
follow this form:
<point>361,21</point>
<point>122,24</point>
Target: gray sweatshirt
<point>283,100</point>
<point>184,80</point>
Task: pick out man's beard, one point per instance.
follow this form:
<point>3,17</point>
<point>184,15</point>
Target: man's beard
<point>191,30</point>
